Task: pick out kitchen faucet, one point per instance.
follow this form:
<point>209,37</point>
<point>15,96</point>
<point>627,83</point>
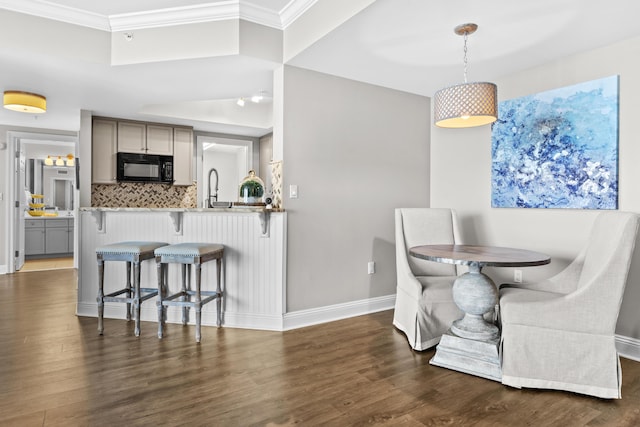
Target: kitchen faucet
<point>215,194</point>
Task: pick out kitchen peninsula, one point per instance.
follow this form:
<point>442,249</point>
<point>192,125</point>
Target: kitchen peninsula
<point>253,269</point>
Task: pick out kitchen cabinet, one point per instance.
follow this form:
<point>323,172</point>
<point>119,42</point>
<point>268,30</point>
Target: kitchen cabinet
<point>182,156</point>
<point>136,137</point>
<point>132,137</point>
<point>48,236</point>
<point>160,140</point>
<point>103,151</point>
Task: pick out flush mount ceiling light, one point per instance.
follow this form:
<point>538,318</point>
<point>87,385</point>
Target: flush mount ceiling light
<point>24,102</point>
<point>468,104</point>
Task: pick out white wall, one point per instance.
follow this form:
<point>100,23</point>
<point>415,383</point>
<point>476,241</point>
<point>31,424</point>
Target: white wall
<point>356,152</point>
<point>461,174</point>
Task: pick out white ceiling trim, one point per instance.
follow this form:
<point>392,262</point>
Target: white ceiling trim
<point>57,12</point>
<point>175,16</point>
<point>232,9</point>
<point>294,10</point>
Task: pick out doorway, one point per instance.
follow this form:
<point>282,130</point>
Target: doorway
<point>42,221</point>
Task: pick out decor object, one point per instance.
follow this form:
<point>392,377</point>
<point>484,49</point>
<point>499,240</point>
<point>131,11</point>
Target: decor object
<point>560,333</point>
<point>468,104</point>
<point>424,308</point>
<point>25,102</point>
<point>558,149</point>
<point>251,190</point>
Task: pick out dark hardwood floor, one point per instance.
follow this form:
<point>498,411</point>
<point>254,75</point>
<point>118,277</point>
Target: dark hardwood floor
<point>55,370</point>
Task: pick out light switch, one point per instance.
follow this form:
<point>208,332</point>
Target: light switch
<point>293,191</point>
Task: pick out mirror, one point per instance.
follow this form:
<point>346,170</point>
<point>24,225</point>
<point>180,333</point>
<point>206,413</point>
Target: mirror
<point>55,183</point>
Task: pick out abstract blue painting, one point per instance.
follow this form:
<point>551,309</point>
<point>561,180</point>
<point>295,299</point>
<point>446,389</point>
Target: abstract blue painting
<point>557,149</point>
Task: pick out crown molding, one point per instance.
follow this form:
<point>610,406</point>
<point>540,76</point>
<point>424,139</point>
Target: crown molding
<point>206,12</point>
<point>45,9</point>
<point>293,11</point>
<point>176,16</point>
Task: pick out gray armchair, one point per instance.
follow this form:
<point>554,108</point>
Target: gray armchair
<point>560,333</point>
<point>424,307</point>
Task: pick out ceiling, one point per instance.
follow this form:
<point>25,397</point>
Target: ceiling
<point>407,45</point>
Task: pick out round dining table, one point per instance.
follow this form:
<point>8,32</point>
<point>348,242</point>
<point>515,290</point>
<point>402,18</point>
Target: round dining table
<point>471,344</point>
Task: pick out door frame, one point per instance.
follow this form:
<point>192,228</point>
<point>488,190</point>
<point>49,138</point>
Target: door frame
<point>13,139</point>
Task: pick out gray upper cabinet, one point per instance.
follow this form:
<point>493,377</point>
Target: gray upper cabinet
<point>111,136</point>
<point>144,138</point>
<point>182,156</point>
<point>132,137</point>
<point>160,140</point>
<point>103,151</point>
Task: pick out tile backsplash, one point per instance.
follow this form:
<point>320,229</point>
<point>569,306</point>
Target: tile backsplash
<point>142,195</point>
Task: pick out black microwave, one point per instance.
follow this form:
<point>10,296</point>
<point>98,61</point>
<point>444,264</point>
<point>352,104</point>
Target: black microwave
<point>145,168</point>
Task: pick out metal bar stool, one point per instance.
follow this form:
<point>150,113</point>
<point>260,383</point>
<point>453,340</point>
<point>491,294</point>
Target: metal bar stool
<point>188,254</point>
<point>132,253</point>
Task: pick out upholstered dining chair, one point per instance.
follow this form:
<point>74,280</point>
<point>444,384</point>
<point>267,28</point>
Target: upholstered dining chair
<point>560,333</point>
<point>424,308</point>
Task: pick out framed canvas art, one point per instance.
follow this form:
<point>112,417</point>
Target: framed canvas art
<point>557,149</point>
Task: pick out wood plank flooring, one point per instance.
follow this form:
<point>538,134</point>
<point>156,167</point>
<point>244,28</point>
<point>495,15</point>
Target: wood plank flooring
<point>55,370</point>
<point>47,264</point>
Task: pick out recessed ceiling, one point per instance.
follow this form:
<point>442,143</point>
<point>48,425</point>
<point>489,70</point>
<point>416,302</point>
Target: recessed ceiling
<point>408,45</point>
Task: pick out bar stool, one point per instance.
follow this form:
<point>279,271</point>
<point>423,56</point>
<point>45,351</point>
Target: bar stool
<point>188,254</point>
<point>133,253</point>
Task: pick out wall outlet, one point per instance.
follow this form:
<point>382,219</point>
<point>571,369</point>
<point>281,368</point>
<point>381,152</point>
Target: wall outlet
<point>371,267</point>
<point>517,276</point>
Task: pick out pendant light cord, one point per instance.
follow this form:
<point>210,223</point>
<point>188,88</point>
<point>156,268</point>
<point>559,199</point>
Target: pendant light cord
<point>466,33</point>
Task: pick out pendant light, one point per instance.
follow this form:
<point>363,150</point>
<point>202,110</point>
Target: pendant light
<point>24,102</point>
<point>468,104</point>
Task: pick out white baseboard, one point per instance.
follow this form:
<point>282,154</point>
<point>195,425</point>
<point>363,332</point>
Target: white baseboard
<point>628,347</point>
<point>314,316</point>
<point>268,322</point>
<point>149,313</point>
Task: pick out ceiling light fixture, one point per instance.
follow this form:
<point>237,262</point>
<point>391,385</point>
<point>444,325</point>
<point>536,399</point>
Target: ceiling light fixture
<point>240,102</point>
<point>59,161</point>
<point>48,161</point>
<point>71,160</point>
<point>24,102</point>
<point>468,104</point>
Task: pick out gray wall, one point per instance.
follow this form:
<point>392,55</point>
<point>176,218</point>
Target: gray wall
<point>461,174</point>
<point>356,152</point>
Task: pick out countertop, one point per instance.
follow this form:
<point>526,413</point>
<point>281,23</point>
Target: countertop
<point>232,209</point>
<point>61,215</point>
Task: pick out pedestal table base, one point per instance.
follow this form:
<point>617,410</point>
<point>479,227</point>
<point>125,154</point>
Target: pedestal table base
<point>473,357</point>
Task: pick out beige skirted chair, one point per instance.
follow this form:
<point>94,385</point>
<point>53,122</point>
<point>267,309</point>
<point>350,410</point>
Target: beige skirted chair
<point>424,307</point>
<point>560,333</point>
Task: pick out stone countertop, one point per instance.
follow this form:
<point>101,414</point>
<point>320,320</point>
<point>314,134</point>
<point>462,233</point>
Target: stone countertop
<point>205,210</point>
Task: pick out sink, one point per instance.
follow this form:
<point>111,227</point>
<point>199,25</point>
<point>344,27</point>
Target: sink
<point>220,204</point>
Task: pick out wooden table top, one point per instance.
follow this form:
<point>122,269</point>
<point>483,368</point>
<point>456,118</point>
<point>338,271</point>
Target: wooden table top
<point>481,255</point>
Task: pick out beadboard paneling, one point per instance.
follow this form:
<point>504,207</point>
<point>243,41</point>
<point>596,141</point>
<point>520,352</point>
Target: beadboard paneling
<point>253,271</point>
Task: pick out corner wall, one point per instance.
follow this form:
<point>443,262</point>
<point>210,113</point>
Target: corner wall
<point>461,174</point>
<point>356,152</point>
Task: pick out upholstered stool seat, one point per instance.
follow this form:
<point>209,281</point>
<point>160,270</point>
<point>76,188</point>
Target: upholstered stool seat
<point>188,254</point>
<point>132,253</point>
